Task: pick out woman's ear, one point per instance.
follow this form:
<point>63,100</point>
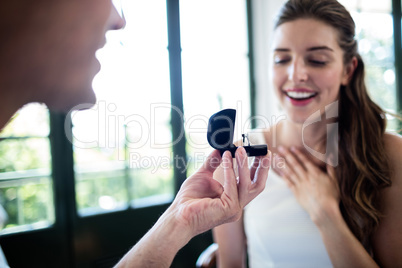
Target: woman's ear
<point>348,71</point>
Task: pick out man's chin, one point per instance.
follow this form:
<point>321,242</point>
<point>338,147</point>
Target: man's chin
<point>80,107</point>
<point>78,103</point>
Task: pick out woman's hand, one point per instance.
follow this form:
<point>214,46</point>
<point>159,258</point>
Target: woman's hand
<point>314,189</point>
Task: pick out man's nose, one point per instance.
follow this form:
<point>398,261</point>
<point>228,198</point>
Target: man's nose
<point>117,18</point>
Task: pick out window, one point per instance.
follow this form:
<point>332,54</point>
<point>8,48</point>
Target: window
<point>215,69</point>
<point>376,46</point>
<point>122,145</point>
<point>124,157</point>
<point>123,150</point>
<point>26,191</point>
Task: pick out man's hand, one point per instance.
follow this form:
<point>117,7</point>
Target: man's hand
<point>203,203</point>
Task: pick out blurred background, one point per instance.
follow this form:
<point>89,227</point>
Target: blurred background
<point>89,184</point>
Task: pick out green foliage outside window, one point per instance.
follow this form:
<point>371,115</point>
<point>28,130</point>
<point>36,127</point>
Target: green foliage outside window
<point>26,191</point>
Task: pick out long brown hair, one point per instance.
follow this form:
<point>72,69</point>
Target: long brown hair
<point>363,168</point>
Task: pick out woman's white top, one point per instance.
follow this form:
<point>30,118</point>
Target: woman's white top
<point>279,231</point>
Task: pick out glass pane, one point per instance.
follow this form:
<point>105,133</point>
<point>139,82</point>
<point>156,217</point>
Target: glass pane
<point>24,154</point>
<point>101,192</point>
<point>26,191</point>
<point>160,182</point>
<point>131,122</point>
<point>377,49</point>
<point>350,4</point>
<point>368,5</point>
<point>28,202</point>
<point>31,120</point>
<point>215,68</point>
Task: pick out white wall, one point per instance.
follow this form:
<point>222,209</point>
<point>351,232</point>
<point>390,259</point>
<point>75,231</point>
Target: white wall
<point>264,12</point>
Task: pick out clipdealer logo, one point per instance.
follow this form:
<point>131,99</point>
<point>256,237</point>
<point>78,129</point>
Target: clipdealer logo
<point>109,134</point>
<point>109,129</point>
<point>331,153</point>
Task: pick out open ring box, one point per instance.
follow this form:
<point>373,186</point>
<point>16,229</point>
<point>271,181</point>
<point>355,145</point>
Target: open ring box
<point>220,134</point>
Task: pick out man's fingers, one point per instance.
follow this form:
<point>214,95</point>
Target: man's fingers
<point>259,180</point>
<point>254,167</point>
<point>229,177</point>
<point>250,187</point>
<point>244,175</point>
<point>242,164</point>
<point>261,174</point>
<point>213,161</point>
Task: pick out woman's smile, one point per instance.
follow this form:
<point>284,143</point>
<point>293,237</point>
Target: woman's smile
<point>300,97</point>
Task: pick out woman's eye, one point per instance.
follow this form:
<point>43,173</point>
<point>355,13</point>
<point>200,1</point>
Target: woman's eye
<point>281,61</point>
<point>317,62</point>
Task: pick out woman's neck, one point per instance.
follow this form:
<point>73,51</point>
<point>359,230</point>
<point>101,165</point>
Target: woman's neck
<point>313,136</point>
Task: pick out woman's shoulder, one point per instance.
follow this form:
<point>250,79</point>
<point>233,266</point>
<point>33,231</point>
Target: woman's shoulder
<point>387,239</point>
<point>393,148</point>
<point>393,140</point>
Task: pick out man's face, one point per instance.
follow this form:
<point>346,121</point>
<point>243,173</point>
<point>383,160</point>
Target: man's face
<point>54,49</point>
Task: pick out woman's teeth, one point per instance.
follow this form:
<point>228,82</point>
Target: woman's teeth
<point>300,95</point>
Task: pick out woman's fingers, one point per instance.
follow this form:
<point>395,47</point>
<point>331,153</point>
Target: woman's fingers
<point>309,166</point>
<point>293,171</point>
<point>331,173</point>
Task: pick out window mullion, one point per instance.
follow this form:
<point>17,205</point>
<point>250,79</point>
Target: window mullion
<point>176,92</point>
<point>63,176</point>
<point>396,12</point>
<point>250,40</point>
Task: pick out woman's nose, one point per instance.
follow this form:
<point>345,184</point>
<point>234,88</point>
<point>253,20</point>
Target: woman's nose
<point>297,71</point>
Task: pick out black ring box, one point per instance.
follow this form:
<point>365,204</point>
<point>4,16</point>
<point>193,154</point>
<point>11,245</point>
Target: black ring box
<point>220,134</point>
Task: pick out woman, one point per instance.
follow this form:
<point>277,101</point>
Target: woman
<point>336,197</point>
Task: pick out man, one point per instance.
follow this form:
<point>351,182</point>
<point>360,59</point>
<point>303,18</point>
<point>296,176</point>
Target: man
<point>47,55</point>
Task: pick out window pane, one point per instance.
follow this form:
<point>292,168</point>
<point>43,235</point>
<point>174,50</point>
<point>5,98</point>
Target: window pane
<point>215,68</point>
<point>125,140</point>
<point>24,154</point>
<point>377,49</point>
<point>28,201</point>
<point>99,193</point>
<point>31,120</point>
<point>26,189</point>
<point>368,5</point>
